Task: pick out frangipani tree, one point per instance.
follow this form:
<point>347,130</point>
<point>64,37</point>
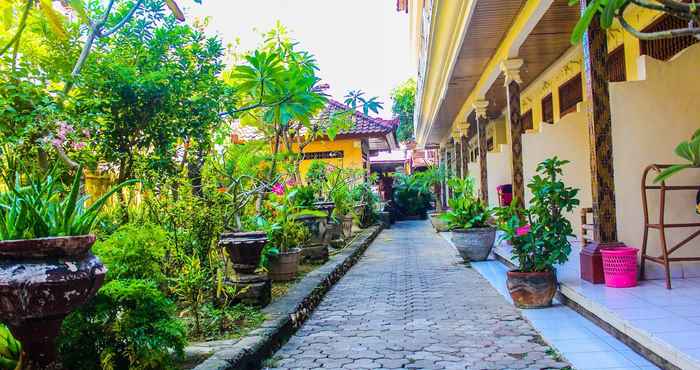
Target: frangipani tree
<point>281,95</point>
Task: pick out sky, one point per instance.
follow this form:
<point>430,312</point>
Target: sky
<point>359,44</point>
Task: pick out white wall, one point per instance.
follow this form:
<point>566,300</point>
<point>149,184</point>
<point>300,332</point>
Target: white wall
<point>650,117</point>
<point>566,139</point>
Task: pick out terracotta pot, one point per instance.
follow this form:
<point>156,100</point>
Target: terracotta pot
<point>315,253</point>
<point>316,226</point>
<point>438,224</point>
<point>244,249</point>
<point>347,226</point>
<point>41,282</point>
<point>284,266</point>
<point>474,244</point>
<point>532,289</point>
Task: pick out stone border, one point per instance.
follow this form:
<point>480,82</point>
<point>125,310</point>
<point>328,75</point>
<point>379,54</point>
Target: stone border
<point>288,313</point>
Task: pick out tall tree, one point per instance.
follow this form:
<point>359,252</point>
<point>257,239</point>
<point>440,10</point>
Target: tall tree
<point>404,97</point>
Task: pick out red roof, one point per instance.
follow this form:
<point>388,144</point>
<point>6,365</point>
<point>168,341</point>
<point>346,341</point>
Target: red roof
<point>364,125</point>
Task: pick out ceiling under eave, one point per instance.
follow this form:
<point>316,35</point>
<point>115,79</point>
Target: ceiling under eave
<point>488,25</point>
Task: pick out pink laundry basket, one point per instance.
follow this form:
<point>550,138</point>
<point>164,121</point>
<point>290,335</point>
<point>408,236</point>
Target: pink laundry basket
<point>620,267</point>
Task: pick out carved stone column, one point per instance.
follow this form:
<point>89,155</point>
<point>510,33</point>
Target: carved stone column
<point>595,56</point>
<point>464,147</point>
<point>481,122</point>
<point>511,70</point>
<point>443,185</point>
<point>457,145</point>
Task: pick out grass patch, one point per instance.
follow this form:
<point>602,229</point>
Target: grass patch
<point>218,323</point>
<point>280,288</point>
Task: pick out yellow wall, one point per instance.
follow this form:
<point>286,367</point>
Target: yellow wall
<point>650,117</point>
<point>352,153</point>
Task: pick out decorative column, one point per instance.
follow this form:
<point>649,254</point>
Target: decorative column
<point>457,144</point>
<point>595,57</point>
<point>443,185</point>
<point>448,170</point>
<point>511,71</point>
<point>481,122</point>
<point>464,145</point>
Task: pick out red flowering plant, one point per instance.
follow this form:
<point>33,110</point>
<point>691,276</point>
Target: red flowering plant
<point>539,234</point>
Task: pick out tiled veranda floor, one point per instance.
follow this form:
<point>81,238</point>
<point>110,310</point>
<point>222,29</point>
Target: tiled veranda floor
<point>664,321</point>
<point>579,340</point>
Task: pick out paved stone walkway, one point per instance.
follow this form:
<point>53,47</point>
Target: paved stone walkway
<point>410,303</point>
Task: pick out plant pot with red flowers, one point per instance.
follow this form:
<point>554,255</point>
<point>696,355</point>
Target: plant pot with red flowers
<point>46,268</point>
<point>539,236</point>
<point>468,219</point>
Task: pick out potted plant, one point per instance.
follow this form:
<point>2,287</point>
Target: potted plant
<point>539,235</point>
<point>472,235</point>
<point>46,268</point>
<point>343,212</point>
<point>287,235</point>
<point>304,198</point>
<point>432,178</point>
<point>366,204</point>
<point>236,170</point>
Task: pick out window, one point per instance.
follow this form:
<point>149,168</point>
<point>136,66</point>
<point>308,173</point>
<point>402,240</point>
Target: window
<point>667,48</point>
<point>526,120</point>
<point>548,109</point>
<point>570,94</point>
<point>616,65</point>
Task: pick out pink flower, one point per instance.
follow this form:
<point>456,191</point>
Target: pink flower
<point>523,230</point>
<point>57,142</point>
<point>78,145</point>
<point>291,182</point>
<point>86,133</point>
<point>278,189</point>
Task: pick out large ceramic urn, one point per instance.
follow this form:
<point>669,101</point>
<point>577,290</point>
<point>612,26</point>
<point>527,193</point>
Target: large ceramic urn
<point>244,249</point>
<point>41,282</point>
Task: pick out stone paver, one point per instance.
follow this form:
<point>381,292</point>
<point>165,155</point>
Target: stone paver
<point>410,303</point>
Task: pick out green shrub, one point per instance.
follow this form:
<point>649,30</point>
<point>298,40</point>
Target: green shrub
<point>135,252</point>
<point>411,194</point>
<point>128,325</point>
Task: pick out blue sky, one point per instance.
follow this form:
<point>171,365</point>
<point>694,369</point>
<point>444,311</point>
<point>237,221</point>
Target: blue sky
<point>359,44</point>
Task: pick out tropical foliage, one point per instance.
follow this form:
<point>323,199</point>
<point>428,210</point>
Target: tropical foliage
<point>404,97</point>
<point>466,210</point>
<point>608,11</point>
<point>411,194</point>
<point>117,121</point>
<point>540,233</point>
<point>43,207</point>
<point>688,150</point>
